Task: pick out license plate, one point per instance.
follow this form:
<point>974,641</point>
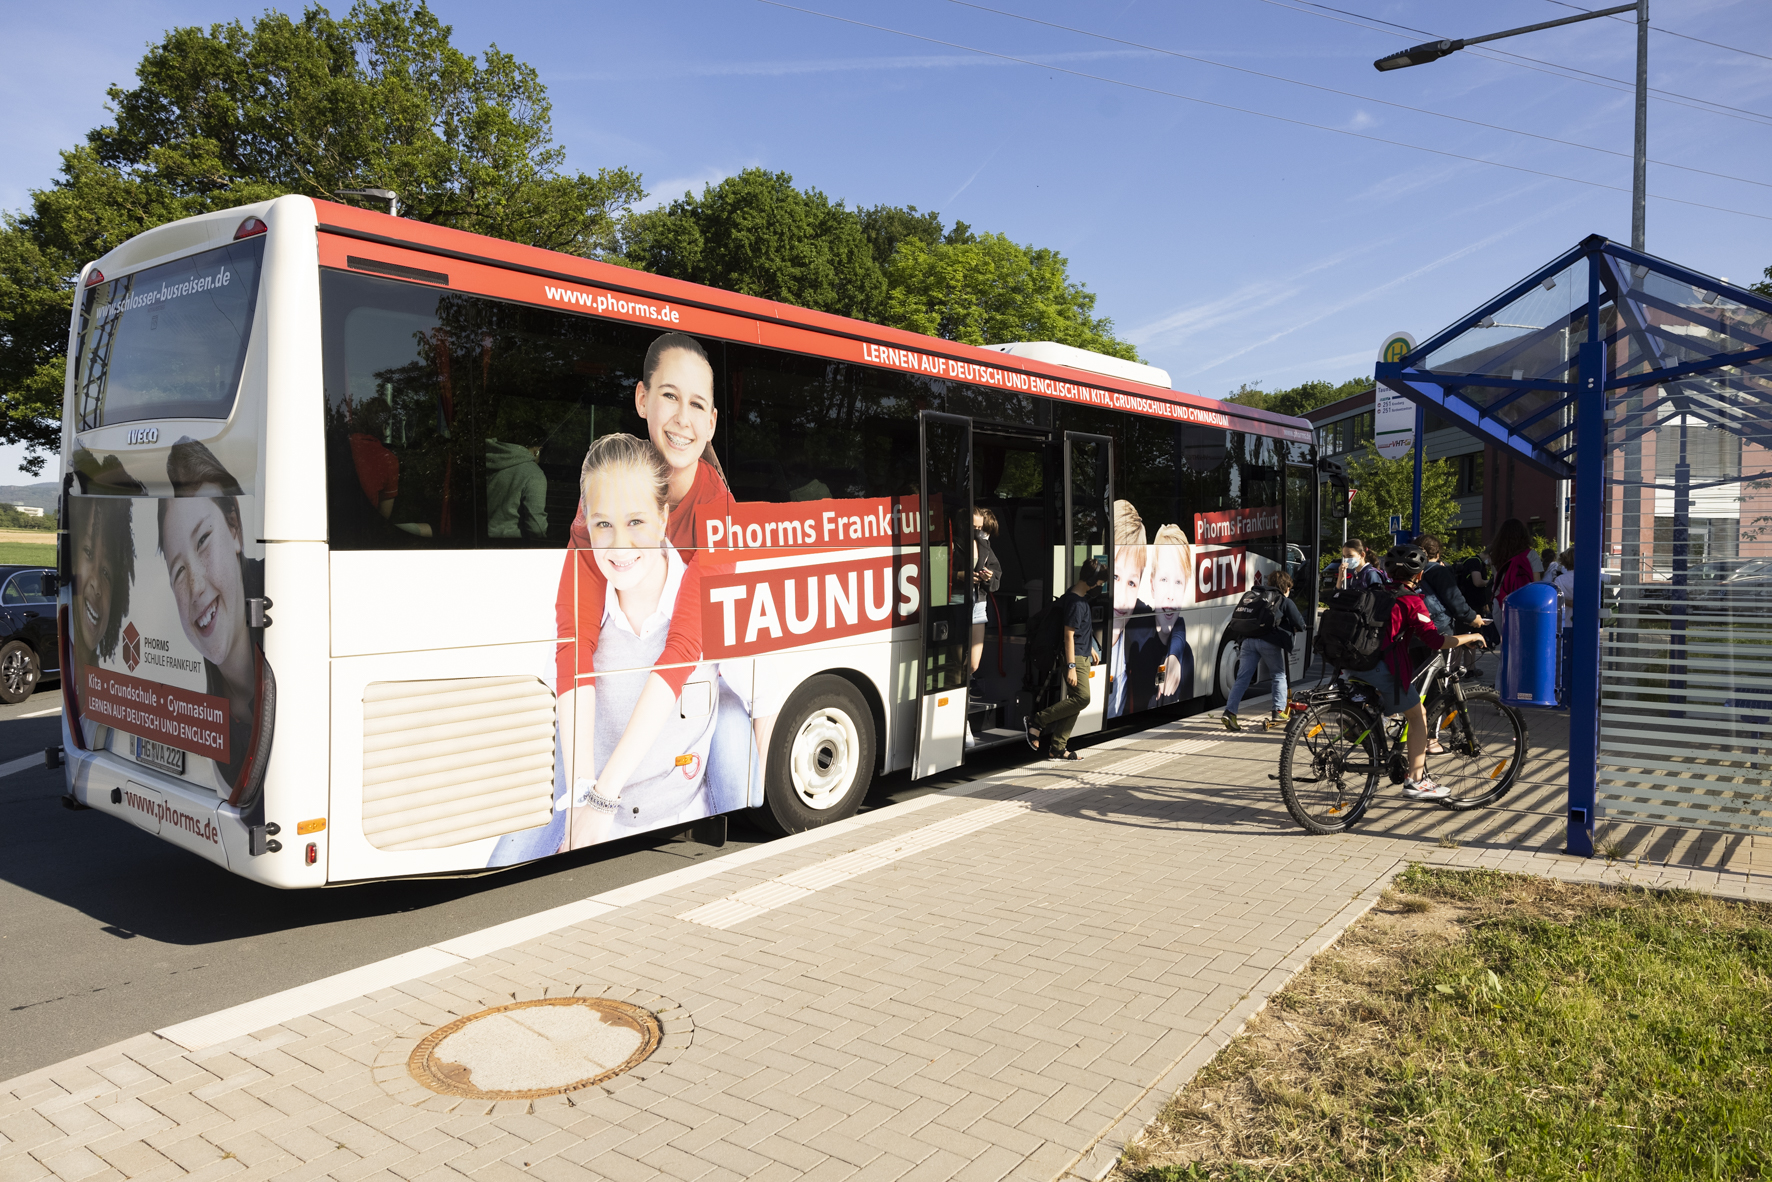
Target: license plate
<point>167,759</point>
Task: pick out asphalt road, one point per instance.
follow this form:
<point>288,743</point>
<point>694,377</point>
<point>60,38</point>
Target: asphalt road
<point>106,932</point>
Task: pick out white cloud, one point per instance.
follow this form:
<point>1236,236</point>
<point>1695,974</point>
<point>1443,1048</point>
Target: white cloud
<point>847,65</point>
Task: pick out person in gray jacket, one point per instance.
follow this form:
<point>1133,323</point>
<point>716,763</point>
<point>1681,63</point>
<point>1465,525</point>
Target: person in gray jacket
<point>516,491</point>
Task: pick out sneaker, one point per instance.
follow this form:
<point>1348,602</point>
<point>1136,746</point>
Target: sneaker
<point>1425,789</point>
<point>1230,721</point>
<point>1276,721</point>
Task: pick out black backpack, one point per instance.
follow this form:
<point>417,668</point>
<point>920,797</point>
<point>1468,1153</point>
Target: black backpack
<point>1045,638</point>
<point>1258,612</point>
<point>1351,632</point>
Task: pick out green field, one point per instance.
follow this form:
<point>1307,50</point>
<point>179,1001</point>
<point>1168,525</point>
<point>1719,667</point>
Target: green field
<point>1486,1026</point>
<point>26,554</point>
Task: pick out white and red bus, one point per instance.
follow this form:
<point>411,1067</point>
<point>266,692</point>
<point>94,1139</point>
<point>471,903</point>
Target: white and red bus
<point>390,550</point>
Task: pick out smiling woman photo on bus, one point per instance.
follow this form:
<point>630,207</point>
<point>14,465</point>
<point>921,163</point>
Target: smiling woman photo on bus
<point>638,762</point>
<point>203,542</point>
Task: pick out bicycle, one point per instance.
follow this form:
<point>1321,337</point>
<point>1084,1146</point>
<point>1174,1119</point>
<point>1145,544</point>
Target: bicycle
<point>1338,743</point>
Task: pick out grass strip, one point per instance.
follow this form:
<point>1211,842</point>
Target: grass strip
<point>26,554</point>
<point>1478,1025</point>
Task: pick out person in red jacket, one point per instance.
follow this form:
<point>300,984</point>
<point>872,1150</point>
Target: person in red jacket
<point>1394,677</point>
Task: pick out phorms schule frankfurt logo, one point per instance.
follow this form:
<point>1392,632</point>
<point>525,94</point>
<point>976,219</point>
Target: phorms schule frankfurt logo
<point>132,647</point>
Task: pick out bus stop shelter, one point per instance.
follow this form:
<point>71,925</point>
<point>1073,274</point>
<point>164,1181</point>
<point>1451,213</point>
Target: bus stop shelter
<point>1610,368</point>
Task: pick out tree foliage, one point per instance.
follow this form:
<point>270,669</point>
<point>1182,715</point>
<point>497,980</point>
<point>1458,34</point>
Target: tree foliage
<point>233,114</point>
<point>1296,400</point>
<point>991,290</point>
<point>1388,487</point>
<point>756,233</point>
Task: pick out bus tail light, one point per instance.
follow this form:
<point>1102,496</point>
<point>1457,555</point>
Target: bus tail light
<point>249,228</point>
<point>94,277</point>
<point>313,854</point>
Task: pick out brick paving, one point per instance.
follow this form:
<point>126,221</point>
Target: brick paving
<point>1003,983</point>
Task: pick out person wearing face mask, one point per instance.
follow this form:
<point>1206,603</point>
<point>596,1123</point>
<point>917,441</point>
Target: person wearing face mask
<point>203,541</point>
<point>1355,570</point>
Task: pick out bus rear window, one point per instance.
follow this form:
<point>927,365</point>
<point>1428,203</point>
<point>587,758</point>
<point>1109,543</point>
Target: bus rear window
<point>168,342</point>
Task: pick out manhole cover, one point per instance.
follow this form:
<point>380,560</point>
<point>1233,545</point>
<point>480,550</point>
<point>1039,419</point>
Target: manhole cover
<point>529,1049</point>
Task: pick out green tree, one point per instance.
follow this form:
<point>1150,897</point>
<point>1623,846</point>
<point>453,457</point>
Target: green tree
<point>991,290</point>
<point>1297,400</point>
<point>1308,396</point>
<point>756,233</point>
<point>1388,487</point>
<point>232,114</point>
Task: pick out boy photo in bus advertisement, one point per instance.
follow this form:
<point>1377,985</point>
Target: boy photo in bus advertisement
<point>202,689</point>
<point>1171,588</point>
<point>1131,654</point>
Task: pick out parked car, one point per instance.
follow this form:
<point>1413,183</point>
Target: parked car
<point>28,649</point>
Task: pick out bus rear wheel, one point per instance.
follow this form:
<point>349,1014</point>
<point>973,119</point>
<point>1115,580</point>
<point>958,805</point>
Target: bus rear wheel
<point>821,757</point>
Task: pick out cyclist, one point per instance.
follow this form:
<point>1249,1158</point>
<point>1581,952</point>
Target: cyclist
<point>1394,676</point>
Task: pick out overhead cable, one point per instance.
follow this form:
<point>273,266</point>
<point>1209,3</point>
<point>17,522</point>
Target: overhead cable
<point>1604,82</point>
<point>1346,93</point>
<point>1242,110</point>
<point>1669,32</point>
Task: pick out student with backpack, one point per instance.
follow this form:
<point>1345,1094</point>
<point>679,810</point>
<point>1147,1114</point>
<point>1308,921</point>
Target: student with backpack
<point>1368,633</point>
<point>1263,626</point>
<point>1049,731</point>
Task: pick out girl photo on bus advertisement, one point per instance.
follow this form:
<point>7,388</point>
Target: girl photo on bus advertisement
<point>1170,586</point>
<point>675,396</point>
<point>1134,631</point>
<point>102,533</point>
<point>643,757</point>
<point>202,539</point>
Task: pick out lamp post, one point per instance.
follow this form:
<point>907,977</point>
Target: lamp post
<point>1433,51</point>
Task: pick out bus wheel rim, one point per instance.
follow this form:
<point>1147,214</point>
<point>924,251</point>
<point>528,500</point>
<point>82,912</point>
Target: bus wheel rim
<point>823,758</point>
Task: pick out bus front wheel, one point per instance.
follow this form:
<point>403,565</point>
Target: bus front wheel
<point>821,757</point>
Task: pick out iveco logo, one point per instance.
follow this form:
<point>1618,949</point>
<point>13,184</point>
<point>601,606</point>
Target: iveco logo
<point>144,435</point>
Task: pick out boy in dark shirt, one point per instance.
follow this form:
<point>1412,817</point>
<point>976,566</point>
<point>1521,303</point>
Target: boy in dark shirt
<point>1050,729</point>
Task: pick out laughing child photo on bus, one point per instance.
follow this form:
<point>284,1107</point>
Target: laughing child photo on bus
<point>204,544</point>
<point>638,763</point>
<point>1171,588</point>
<point>1134,632</point>
<point>103,538</point>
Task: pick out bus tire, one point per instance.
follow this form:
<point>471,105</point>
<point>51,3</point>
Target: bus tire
<point>1224,675</point>
<point>19,672</point>
<point>821,757</point>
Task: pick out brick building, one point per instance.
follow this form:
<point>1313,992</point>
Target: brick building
<point>1489,484</point>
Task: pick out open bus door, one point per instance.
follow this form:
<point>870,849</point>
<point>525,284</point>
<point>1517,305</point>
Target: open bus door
<point>942,659</point>
<point>1088,532</point>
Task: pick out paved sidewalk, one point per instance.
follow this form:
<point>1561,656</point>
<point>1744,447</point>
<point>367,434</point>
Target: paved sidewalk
<point>1005,983</point>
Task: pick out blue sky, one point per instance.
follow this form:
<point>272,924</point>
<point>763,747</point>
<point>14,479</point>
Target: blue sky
<point>1229,245</point>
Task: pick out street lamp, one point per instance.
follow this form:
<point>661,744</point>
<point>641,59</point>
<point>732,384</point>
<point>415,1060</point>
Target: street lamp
<point>1433,51</point>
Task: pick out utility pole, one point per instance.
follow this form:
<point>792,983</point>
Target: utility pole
<point>1433,51</point>
<point>1640,180</point>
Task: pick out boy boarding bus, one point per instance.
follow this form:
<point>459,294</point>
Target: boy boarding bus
<point>391,550</point>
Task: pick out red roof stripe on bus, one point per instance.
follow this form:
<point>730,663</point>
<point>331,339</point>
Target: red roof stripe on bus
<point>480,264</point>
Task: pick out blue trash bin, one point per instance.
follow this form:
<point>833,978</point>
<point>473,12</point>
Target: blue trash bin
<point>1531,628</point>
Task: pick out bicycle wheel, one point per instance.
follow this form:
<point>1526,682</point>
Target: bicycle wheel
<point>1329,766</point>
<point>1485,744</point>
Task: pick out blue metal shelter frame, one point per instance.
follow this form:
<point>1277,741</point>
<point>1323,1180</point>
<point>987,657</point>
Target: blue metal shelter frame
<point>1581,358</point>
